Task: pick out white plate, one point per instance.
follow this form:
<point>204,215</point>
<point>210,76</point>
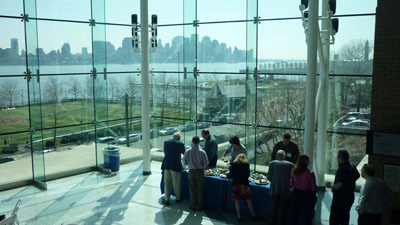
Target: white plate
<point>258,182</point>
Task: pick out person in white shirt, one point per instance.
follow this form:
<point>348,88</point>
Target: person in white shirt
<point>374,195</point>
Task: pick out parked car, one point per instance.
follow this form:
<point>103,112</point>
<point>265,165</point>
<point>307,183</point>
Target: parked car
<point>188,127</point>
<point>153,133</point>
<point>110,140</point>
<point>132,138</point>
<point>356,124</point>
<point>219,120</point>
<point>203,125</point>
<point>350,116</point>
<point>167,131</point>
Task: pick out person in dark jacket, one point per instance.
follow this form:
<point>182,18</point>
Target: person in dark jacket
<point>343,190</point>
<point>240,172</point>
<point>289,147</point>
<point>279,193</point>
<point>172,166</point>
<point>210,147</point>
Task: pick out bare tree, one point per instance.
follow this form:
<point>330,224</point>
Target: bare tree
<point>162,90</point>
<point>89,87</point>
<point>8,90</point>
<point>356,55</point>
<point>113,88</point>
<point>75,87</point>
<point>53,90</point>
<point>355,60</point>
<point>130,89</point>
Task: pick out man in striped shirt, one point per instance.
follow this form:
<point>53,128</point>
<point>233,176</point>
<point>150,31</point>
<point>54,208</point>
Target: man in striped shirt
<point>197,160</point>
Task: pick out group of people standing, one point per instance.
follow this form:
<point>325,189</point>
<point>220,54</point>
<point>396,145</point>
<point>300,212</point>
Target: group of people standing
<point>197,159</point>
<point>295,182</point>
<point>292,182</point>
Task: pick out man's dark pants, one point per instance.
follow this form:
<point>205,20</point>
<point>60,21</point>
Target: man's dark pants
<point>277,209</point>
<point>196,188</point>
<point>369,219</point>
<point>340,211</point>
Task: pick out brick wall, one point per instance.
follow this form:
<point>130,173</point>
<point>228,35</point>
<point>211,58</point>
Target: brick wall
<point>385,105</point>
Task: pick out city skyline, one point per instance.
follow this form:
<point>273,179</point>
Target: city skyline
<point>280,39</point>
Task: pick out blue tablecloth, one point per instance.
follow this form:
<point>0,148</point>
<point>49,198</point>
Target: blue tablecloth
<point>214,192</point>
<point>218,195</point>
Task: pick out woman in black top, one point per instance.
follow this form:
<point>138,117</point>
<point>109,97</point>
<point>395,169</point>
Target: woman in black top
<point>240,172</point>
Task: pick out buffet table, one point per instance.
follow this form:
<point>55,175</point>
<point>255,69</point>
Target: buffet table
<point>218,195</point>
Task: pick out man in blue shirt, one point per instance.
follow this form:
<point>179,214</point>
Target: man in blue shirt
<point>172,166</point>
<point>210,147</point>
<point>343,190</point>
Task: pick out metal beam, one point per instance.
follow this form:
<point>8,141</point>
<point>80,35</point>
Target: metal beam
<point>312,48</point>
<point>144,34</point>
<point>320,162</point>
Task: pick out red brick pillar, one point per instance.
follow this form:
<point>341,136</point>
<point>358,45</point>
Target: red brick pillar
<point>385,104</point>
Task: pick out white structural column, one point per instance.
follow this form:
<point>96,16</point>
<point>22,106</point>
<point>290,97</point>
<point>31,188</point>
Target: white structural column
<point>312,47</point>
<point>144,34</point>
<point>320,162</point>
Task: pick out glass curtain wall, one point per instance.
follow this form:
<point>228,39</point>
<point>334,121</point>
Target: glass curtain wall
<point>70,80</point>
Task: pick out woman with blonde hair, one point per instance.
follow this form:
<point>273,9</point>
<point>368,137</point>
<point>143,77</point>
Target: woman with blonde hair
<point>240,172</point>
<point>303,181</point>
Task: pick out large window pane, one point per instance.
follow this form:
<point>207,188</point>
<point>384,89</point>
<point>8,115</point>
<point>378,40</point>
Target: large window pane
<point>64,9</point>
<point>169,53</point>
<point>349,104</point>
<point>15,158</point>
<point>168,12</point>
<point>119,11</point>
<point>222,47</point>
<point>221,10</point>
<point>355,6</point>
<point>11,7</point>
<point>64,47</point>
<point>352,52</point>
<point>120,87</point>
<point>281,100</point>
<point>289,8</point>
<point>66,100</point>
<point>14,113</point>
<point>354,144</point>
<point>12,47</point>
<point>74,145</point>
<point>281,42</point>
<point>221,98</point>
<point>127,139</point>
<point>120,54</point>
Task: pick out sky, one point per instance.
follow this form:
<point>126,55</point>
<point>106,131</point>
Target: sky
<point>277,39</point>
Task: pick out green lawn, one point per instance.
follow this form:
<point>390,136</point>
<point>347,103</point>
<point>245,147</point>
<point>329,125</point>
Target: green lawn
<point>75,113</point>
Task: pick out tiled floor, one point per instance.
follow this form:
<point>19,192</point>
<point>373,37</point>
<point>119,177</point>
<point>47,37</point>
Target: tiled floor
<point>123,198</point>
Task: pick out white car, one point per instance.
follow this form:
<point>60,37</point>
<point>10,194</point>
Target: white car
<point>356,124</point>
<point>167,131</point>
<point>110,140</point>
<point>132,138</point>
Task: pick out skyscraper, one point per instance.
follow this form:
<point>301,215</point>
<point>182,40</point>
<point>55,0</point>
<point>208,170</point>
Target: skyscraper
<point>14,45</point>
<point>66,50</point>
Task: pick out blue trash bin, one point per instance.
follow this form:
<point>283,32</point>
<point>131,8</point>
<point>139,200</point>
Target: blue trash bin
<point>111,158</point>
